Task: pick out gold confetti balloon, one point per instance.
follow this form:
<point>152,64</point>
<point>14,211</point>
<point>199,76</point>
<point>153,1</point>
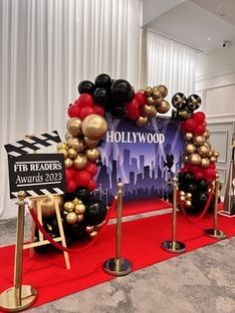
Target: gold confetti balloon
<point>94,127</point>
<point>71,218</point>
<point>142,121</point>
<point>74,126</point>
<point>92,154</point>
<point>80,162</point>
<point>163,107</point>
<point>195,159</point>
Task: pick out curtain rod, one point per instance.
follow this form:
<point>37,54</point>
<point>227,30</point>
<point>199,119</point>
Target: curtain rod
<point>170,38</point>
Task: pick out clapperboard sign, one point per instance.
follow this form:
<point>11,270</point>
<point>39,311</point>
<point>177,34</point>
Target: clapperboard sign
<point>36,174</point>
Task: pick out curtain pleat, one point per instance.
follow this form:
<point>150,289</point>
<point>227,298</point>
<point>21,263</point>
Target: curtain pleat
<point>47,48</point>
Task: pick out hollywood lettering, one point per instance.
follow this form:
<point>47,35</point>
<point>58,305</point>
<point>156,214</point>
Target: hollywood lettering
<point>134,137</point>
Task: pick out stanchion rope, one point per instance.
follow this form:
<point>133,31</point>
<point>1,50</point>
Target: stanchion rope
<point>65,249</point>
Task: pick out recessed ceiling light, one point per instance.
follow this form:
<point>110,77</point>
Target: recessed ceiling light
<point>209,38</point>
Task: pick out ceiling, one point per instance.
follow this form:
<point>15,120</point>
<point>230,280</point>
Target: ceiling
<point>201,24</point>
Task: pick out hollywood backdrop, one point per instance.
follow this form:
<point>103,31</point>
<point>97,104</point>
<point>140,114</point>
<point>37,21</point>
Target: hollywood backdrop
<point>143,158</point>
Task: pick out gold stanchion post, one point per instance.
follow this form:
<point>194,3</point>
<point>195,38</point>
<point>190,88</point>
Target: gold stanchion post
<point>118,266</point>
<point>173,245</point>
<point>18,297</point>
<point>215,232</point>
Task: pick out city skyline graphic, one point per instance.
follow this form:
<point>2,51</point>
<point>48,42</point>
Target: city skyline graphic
<point>144,168</point>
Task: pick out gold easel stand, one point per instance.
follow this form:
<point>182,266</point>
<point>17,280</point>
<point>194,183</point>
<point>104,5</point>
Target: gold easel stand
<point>37,203</point>
<point>173,245</point>
<point>18,297</point>
<point>118,266</point>
<point>215,232</point>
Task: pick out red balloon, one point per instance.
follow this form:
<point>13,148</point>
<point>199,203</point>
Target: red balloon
<point>188,125</point>
<point>210,174</point>
<point>198,175</point>
<point>83,178</point>
<point>133,110</point>
<point>71,186</point>
<point>99,109</point>
<point>86,111</point>
<point>85,100</point>
<point>91,168</point>
<point>140,98</point>
<point>92,185</point>
<point>199,117</point>
<point>68,174</point>
<point>199,129</point>
<point>73,110</point>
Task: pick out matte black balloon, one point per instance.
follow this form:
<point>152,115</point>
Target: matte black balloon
<point>95,213</point>
<point>83,194</point>
<point>193,102</point>
<point>179,101</point>
<point>75,232</point>
<point>203,185</point>
<point>131,95</point>
<point>118,111</point>
<point>86,86</point>
<point>191,187</point>
<point>103,81</point>
<point>188,176</point>
<point>120,90</point>
<point>101,96</point>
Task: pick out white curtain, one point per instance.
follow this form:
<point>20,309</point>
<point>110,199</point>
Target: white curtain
<point>47,47</point>
<point>170,63</point>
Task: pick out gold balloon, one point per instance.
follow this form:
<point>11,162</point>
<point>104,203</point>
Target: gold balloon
<point>92,154</point>
<point>199,140</point>
<point>68,163</point>
<point>190,148</point>
<point>71,218</point>
<point>182,193</point>
<point>213,159</point>
<point>188,136</point>
<point>80,218</point>
<point>150,101</point>
<point>195,159</point>
<point>163,90</point>
<point>148,91</point>
<point>188,203</point>
<point>93,234</point>
<point>74,126</point>
<point>48,207</point>
<point>69,206</point>
<point>91,143</point>
<point>157,96</point>
<point>80,209</point>
<point>142,121</point>
<point>182,198</point>
<point>205,162</point>
<point>163,107</point>
<point>61,146</point>
<point>76,143</point>
<point>68,135</point>
<point>207,134</point>
<point>77,201</point>
<point>210,153</point>
<point>90,229</point>
<point>216,154</point>
<point>80,162</point>
<point>64,152</point>
<point>188,196</point>
<point>94,126</point>
<point>149,110</point>
<point>72,153</point>
<point>203,150</point>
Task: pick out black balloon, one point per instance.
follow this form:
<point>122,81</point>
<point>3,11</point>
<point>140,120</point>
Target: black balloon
<point>103,81</point>
<point>179,101</point>
<point>131,95</point>
<point>193,102</point>
<point>95,213</point>
<point>188,176</point>
<point>101,96</point>
<point>203,185</point>
<point>83,194</point>
<point>118,111</point>
<point>86,86</point>
<point>191,187</point>
<point>120,89</point>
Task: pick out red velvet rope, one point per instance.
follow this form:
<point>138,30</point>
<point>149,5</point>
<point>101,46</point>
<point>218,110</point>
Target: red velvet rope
<point>190,220</point>
<point>59,246</point>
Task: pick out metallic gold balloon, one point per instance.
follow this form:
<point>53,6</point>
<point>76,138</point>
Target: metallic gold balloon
<point>93,234</point>
<point>149,110</point>
<point>203,150</point>
<point>182,198</point>
<point>163,107</point>
<point>69,206</point>
<point>68,135</point>
<point>76,143</point>
<point>92,154</point>
<point>80,218</point>
<point>199,140</point>
<point>213,159</point>
<point>190,148</point>
<point>188,203</point>
<point>195,159</point>
<point>205,162</point>
<point>150,101</point>
<point>71,218</point>
<point>157,96</point>
<point>80,209</point>
<point>188,196</point>
<point>80,162</point>
<point>72,153</point>
<point>94,126</point>
<point>76,201</point>
<point>142,121</point>
<point>74,126</point>
<point>148,91</point>
<point>68,163</point>
<point>163,90</point>
<point>211,153</point>
<point>207,134</point>
<point>91,143</point>
<point>216,154</point>
<point>64,152</point>
<point>182,193</point>
<point>90,229</point>
<point>188,136</point>
<point>61,146</point>
<point>48,207</point>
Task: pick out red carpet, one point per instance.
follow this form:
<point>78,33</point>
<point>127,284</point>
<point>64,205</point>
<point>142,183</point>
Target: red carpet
<point>141,245</point>
<point>143,206</point>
